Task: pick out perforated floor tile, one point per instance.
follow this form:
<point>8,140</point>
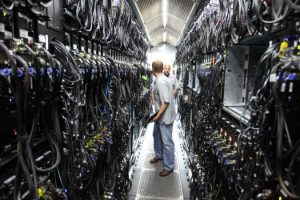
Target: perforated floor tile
<point>151,184</point>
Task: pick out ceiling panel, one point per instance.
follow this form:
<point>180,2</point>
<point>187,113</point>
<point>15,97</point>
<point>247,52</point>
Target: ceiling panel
<point>149,8</point>
<point>175,25</point>
<point>173,32</point>
<point>180,8</point>
<point>152,14</point>
<point>171,39</point>
<point>153,25</point>
<point>157,39</point>
<point>160,32</point>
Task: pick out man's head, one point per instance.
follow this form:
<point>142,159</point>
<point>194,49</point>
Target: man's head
<point>157,67</point>
<point>167,69</point>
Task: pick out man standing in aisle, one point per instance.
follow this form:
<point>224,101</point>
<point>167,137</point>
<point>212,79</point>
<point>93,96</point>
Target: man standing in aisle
<point>172,79</point>
<point>163,126</point>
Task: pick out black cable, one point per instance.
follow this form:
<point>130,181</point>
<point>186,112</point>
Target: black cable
<point>293,4</point>
<point>7,4</point>
<point>279,140</point>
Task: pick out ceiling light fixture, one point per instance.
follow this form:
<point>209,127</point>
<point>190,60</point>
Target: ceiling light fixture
<point>165,12</point>
<point>165,36</point>
<point>165,17</point>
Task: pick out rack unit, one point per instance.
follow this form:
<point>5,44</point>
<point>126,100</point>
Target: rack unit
<point>239,79</point>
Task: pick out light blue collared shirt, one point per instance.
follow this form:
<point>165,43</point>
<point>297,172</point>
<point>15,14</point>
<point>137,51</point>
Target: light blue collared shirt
<point>163,92</point>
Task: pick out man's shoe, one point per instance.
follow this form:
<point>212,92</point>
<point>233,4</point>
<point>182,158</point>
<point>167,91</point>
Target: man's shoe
<point>165,172</point>
<point>155,160</point>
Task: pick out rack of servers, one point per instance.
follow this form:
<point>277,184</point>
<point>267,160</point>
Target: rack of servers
<point>74,90</point>
<point>239,65</point>
<point>75,93</point>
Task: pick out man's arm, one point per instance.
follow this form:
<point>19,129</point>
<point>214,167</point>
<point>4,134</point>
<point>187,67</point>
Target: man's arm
<point>161,111</point>
<point>175,88</point>
<point>152,96</point>
<point>175,92</point>
<point>165,98</point>
<point>153,100</point>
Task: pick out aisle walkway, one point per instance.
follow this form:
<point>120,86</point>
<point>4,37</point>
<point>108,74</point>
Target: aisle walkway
<point>147,184</point>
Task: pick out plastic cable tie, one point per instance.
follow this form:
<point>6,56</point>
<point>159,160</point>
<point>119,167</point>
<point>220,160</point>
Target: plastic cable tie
<point>81,71</point>
<point>32,71</point>
<point>20,73</point>
<point>294,76</point>
<point>5,72</point>
<point>42,71</point>
<point>49,70</point>
<point>289,77</point>
<point>57,72</point>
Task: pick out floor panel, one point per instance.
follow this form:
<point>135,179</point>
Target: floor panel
<point>148,184</point>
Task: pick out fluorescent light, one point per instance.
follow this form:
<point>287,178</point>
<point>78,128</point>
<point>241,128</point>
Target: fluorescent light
<point>165,36</point>
<point>165,12</point>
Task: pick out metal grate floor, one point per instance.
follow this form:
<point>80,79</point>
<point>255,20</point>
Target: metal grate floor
<point>148,185</point>
<point>151,185</point>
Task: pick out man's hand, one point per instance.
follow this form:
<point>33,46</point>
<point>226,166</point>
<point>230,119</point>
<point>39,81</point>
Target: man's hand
<point>175,93</point>
<point>162,109</point>
<point>155,119</point>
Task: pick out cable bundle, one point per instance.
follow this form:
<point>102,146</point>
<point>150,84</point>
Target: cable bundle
<point>200,117</point>
<point>222,22</point>
<point>111,22</point>
<point>256,160</point>
<point>77,109</point>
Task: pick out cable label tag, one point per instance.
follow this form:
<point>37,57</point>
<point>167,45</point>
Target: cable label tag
<point>283,87</point>
<point>273,78</point>
<point>291,86</point>
<point>47,41</point>
<point>23,33</point>
<point>8,35</point>
<point>22,16</point>
<point>2,29</point>
<point>30,40</point>
<point>42,38</point>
